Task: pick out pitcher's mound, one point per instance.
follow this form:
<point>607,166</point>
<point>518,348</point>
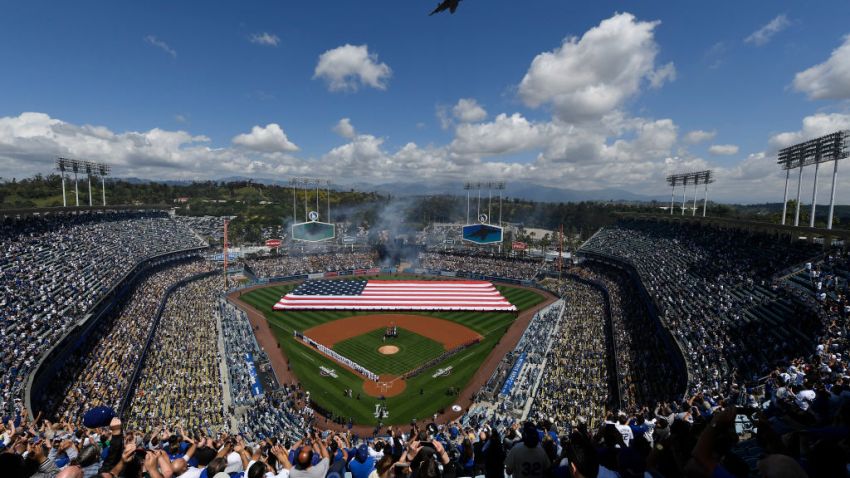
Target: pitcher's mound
<point>388,349</point>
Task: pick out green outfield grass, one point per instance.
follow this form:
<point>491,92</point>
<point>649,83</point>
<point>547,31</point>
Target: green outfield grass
<point>414,349</point>
<point>424,394</point>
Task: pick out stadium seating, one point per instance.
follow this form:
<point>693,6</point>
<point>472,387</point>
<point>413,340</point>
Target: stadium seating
<point>751,336</point>
<point>713,293</point>
<point>481,264</point>
<point>53,269</point>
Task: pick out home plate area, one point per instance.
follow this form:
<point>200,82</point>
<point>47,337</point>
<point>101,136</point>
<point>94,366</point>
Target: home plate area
<point>386,349</point>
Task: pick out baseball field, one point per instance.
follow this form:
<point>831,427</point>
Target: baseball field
<point>359,336</point>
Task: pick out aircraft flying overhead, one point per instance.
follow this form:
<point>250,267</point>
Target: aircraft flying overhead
<point>450,5</point>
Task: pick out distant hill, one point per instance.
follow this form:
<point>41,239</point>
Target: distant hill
<point>519,190</point>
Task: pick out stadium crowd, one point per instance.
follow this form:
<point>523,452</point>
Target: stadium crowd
<point>642,357</point>
<point>532,348</point>
<point>714,299</point>
<point>698,440</point>
<point>575,386</point>
<point>54,268</point>
<point>204,226</point>
<point>183,388</point>
<point>284,413</point>
<point>239,339</point>
<point>710,287</point>
<point>483,264</point>
<point>308,264</point>
<point>100,373</point>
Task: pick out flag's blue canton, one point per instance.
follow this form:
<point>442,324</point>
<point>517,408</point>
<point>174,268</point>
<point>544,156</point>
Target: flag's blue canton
<point>330,287</point>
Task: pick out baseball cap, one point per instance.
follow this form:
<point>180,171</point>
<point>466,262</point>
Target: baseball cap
<point>362,453</point>
<point>98,417</point>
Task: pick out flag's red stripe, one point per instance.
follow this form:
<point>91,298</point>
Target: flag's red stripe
<point>445,282</point>
<point>392,306</point>
<point>392,301</point>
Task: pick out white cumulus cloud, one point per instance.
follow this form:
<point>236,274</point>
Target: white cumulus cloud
<point>505,134</point>
<point>348,67</point>
<point>830,79</point>
<point>588,77</point>
<point>813,126</point>
<point>698,136</point>
<point>269,139</point>
<point>345,129</point>
<point>723,149</point>
<point>467,110</point>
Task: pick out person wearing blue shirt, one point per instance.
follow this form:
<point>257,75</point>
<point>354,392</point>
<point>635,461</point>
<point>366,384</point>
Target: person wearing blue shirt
<point>363,464</point>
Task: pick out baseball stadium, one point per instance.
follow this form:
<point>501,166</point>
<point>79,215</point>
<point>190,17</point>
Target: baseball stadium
<point>410,239</point>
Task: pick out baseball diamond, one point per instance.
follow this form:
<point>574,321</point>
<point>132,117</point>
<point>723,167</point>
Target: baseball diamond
<point>413,349</point>
<point>423,336</point>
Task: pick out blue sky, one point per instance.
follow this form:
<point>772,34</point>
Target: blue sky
<point>215,89</point>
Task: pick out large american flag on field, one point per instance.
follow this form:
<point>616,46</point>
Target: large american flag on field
<point>395,295</point>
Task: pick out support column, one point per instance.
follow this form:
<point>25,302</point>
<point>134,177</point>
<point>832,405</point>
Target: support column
<point>832,196</point>
<point>103,188</point>
<point>90,202</point>
<point>814,197</point>
<point>64,199</point>
<point>785,196</point>
<point>684,192</point>
<point>694,212</point>
<point>467,207</point>
<point>705,199</point>
<point>76,189</point>
<point>799,186</point>
<point>673,198</point>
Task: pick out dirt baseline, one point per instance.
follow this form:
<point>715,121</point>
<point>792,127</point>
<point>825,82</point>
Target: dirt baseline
<point>446,332</point>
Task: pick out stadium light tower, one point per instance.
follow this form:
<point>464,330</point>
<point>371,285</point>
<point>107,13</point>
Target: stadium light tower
<point>695,178</point>
<point>467,186</point>
<point>75,166</point>
<point>707,179</point>
<point>103,170</point>
<point>89,170</point>
<point>60,165</point>
<point>671,180</point>
<point>831,147</point>
<point>499,186</point>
